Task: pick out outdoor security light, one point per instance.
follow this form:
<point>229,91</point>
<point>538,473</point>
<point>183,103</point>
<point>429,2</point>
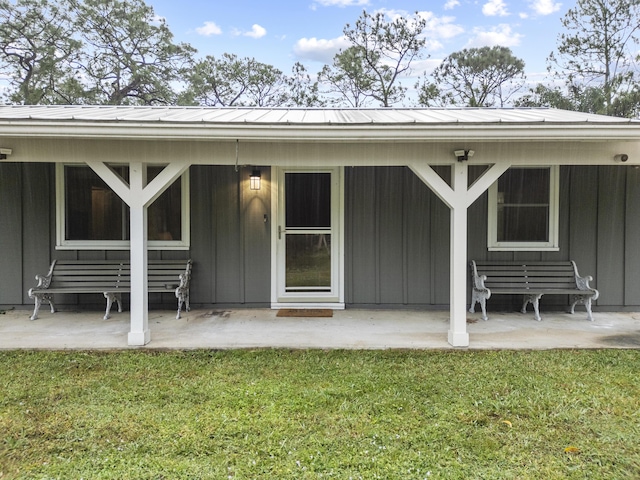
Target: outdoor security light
<point>4,152</point>
<point>463,155</point>
<point>254,180</point>
<point>622,157</point>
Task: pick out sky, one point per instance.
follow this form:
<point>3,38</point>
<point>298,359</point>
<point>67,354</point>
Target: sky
<point>282,32</point>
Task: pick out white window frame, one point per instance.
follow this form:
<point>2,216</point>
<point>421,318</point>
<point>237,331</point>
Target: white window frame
<point>63,244</point>
<point>554,215</point>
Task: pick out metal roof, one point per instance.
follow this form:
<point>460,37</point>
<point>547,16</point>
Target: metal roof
<point>311,124</point>
<point>301,116</point>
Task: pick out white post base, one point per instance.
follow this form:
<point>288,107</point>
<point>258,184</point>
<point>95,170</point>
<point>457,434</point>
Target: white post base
<point>458,339</point>
<point>138,339</point>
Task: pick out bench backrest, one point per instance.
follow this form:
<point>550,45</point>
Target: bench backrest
<point>162,274</point>
<point>528,275</point>
<point>82,274</point>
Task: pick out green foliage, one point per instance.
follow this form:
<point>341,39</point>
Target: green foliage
<point>302,91</point>
<point>232,81</point>
<point>119,52</point>
<point>382,52</point>
<point>598,50</point>
<point>475,77</point>
<point>89,52</point>
<point>320,414</point>
<point>348,80</point>
<point>37,47</point>
<point>128,54</point>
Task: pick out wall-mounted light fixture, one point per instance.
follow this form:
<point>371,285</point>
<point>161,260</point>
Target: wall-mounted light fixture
<point>622,157</point>
<point>4,153</point>
<point>254,179</point>
<point>463,155</point>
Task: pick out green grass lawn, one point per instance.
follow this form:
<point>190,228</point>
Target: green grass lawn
<point>320,414</point>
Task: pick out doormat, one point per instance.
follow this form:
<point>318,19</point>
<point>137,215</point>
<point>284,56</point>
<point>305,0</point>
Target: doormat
<point>305,312</point>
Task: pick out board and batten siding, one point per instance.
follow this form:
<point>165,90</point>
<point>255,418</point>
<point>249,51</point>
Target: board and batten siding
<point>230,240</point>
<point>397,239</point>
<point>230,237</point>
<point>396,236</point>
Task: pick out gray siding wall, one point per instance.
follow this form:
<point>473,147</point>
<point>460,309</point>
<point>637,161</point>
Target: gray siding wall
<point>230,241</point>
<point>397,239</point>
<point>397,236</point>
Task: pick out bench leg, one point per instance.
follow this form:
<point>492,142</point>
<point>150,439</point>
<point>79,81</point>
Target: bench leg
<point>587,304</point>
<point>483,305</point>
<point>36,308</point>
<point>39,297</point>
<point>179,307</point>
<point>586,300</point>
<point>112,297</point>
<point>182,294</point>
<point>183,299</point>
<point>534,299</point>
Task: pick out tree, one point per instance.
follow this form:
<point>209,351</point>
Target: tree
<point>302,91</point>
<point>348,80</point>
<point>130,57</point>
<point>36,49</point>
<point>386,50</point>
<point>578,98</point>
<point>475,77</point>
<point>230,81</point>
<point>598,48</point>
<point>543,96</point>
<point>89,51</point>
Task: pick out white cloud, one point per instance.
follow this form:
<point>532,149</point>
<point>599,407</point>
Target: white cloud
<point>342,3</point>
<point>208,29</point>
<point>451,4</point>
<point>545,7</point>
<point>495,8</point>
<point>256,31</point>
<point>319,49</point>
<point>500,35</point>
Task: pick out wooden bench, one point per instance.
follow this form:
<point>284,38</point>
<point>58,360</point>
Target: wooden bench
<point>110,278</point>
<point>531,279</point>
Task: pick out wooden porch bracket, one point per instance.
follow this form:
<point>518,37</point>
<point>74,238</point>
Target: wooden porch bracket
<point>458,197</point>
<point>138,195</point>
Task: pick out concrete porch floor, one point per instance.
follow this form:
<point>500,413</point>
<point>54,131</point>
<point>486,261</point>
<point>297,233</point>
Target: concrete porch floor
<point>347,329</point>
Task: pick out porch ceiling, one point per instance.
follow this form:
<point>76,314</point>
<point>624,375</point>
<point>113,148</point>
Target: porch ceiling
<point>286,124</point>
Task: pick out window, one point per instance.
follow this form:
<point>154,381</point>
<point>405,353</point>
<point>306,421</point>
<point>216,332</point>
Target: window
<point>90,215</point>
<point>523,210</point>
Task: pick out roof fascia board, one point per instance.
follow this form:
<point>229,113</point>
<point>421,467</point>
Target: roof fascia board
<point>325,133</point>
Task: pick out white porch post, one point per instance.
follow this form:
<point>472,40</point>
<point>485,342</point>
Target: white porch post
<point>458,335</point>
<point>138,196</point>
<point>139,334</point>
<point>458,198</point>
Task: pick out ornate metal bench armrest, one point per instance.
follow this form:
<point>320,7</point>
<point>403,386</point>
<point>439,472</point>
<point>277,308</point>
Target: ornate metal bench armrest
<point>44,280</point>
<point>582,283</point>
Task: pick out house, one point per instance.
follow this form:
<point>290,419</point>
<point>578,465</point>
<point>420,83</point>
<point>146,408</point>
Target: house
<point>354,208</point>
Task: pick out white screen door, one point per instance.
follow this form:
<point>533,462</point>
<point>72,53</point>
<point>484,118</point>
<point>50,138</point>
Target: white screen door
<point>308,237</point>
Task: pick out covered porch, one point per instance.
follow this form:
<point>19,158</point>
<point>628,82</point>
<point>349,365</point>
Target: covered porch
<point>346,329</point>
<point>436,146</point>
